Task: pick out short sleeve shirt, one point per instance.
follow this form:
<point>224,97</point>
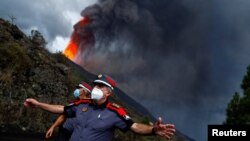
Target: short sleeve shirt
<point>95,123</point>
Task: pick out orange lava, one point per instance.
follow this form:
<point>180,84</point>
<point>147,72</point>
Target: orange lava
<point>72,47</point>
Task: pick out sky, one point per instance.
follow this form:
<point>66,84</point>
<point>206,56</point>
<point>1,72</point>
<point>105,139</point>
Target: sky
<point>54,19</point>
<point>186,58</point>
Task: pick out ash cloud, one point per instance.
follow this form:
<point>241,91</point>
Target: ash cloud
<point>159,54</point>
<point>182,60</point>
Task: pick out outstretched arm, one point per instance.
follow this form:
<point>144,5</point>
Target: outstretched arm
<point>163,130</point>
<point>57,109</point>
<point>57,123</point>
<point>142,129</point>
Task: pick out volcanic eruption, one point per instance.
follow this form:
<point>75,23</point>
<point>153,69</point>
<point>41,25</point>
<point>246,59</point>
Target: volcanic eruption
<point>174,54</point>
<point>81,36</point>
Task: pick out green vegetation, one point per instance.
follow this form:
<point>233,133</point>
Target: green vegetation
<point>238,109</point>
<point>13,60</point>
<point>37,38</point>
<point>27,69</point>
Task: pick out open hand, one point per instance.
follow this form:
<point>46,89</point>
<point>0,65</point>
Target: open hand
<point>49,133</point>
<point>164,130</point>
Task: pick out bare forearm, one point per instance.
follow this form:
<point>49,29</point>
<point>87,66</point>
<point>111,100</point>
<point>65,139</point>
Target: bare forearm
<point>57,109</point>
<point>142,129</point>
<point>58,121</point>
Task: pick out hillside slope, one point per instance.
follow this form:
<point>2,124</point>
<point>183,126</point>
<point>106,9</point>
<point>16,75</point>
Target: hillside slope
<point>27,69</point>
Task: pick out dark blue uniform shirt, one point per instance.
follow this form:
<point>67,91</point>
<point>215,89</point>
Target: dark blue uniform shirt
<point>69,124</point>
<point>95,122</point>
<point>65,130</point>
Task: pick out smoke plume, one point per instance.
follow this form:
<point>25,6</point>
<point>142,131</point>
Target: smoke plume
<point>181,59</point>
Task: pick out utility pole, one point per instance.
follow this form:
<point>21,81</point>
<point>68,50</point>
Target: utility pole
<point>13,18</point>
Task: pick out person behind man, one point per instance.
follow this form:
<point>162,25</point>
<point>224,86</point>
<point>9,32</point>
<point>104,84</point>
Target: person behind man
<point>66,127</point>
<point>96,120</point>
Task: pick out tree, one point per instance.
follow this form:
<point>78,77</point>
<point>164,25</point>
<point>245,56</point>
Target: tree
<point>238,109</point>
<point>37,38</point>
<point>246,82</point>
<point>232,110</point>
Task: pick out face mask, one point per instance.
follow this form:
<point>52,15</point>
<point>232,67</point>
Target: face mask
<point>96,94</point>
<point>76,93</point>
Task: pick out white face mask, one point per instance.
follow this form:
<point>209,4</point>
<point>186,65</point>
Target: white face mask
<point>96,94</point>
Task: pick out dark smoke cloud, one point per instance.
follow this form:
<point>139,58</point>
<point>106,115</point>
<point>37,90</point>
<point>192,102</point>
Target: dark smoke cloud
<point>181,59</point>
